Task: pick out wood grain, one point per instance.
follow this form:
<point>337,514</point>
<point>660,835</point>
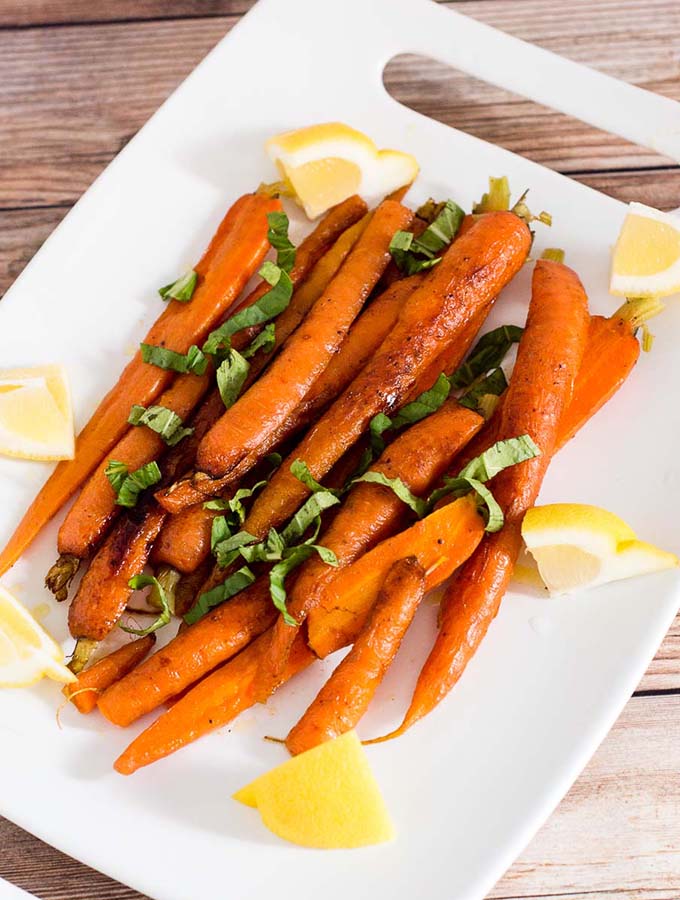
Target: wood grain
<point>100,83</point>
<point>79,77</point>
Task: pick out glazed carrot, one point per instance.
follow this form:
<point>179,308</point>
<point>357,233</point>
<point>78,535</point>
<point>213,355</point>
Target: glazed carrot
<point>364,338</point>
<point>95,679</point>
<point>271,399</point>
<point>213,703</point>
<point>95,507</point>
<point>104,591</point>
<point>184,541</point>
<point>610,355</point>
<point>456,292</point>
<point>309,291</point>
<point>371,512</point>
<point>192,654</point>
<point>345,697</point>
<point>541,388</point>
<point>225,274</point>
<point>441,542</point>
<point>317,245</point>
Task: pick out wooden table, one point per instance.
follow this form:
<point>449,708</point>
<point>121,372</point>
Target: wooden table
<point>79,77</point>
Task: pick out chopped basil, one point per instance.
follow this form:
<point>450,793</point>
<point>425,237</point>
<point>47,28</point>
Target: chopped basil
<point>269,305</point>
<point>401,490</point>
<point>194,360</point>
<point>277,235</point>
<point>182,289</point>
<point>412,254</point>
<point>210,599</point>
<point>231,375</point>
<point>265,341</point>
<point>166,423</point>
<point>500,456</point>
<point>478,396</point>
<point>128,486</point>
<point>141,581</point>
<point>488,353</point>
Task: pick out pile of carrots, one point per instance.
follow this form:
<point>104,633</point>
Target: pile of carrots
<point>315,499</point>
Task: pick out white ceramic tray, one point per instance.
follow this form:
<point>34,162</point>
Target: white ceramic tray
<point>469,786</point>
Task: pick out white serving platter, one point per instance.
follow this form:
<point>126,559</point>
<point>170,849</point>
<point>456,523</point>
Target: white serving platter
<point>469,786</point>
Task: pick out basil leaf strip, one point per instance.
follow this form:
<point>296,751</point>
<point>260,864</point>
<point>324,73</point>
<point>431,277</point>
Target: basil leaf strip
<point>488,353</point>
<point>210,599</point>
<point>166,423</point>
<point>231,375</point>
<point>413,254</point>
<point>500,456</point>
<point>279,572</point>
<point>182,289</point>
<point>493,385</point>
<point>401,490</point>
<point>277,235</point>
<point>142,581</point>
<point>265,341</point>
<point>301,471</point>
<point>129,485</point>
<point>194,360</point>
<point>269,305</point>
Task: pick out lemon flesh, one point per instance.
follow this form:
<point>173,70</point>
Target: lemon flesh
<point>326,797</point>
<point>646,260</point>
<point>36,417</point>
<point>325,164</point>
<point>27,652</point>
<point>577,546</point>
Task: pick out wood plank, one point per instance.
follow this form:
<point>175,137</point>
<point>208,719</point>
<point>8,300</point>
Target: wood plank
<point>629,849</point>
<point>23,13</point>
<point>99,84</point>
<point>617,832</point>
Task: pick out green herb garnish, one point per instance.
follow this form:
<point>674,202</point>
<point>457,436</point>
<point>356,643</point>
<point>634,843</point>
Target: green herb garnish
<point>142,581</point>
<point>166,423</point>
<point>398,487</point>
<point>412,254</point>
<point>233,585</point>
<point>182,289</point>
<point>194,360</point>
<point>488,353</point>
<point>126,485</point>
<point>500,456</point>
<point>231,375</point>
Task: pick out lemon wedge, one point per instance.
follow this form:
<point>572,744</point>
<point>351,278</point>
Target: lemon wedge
<point>325,164</point>
<point>577,546</point>
<point>326,797</point>
<point>36,416</point>
<point>27,652</point>
<point>646,261</point>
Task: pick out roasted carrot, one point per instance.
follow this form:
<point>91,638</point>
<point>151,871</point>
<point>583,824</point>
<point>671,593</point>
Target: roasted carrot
<point>364,338</point>
<point>104,591</point>
<point>192,654</point>
<point>549,357</point>
<point>213,703</point>
<point>372,512</point>
<point>96,678</point>
<point>441,542</point>
<point>226,273</point>
<point>457,291</point>
<point>284,385</point>
<point>612,351</point>
<point>312,249</point>
<point>309,291</point>
<point>184,541</point>
<point>345,697</point>
<point>95,507</point>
